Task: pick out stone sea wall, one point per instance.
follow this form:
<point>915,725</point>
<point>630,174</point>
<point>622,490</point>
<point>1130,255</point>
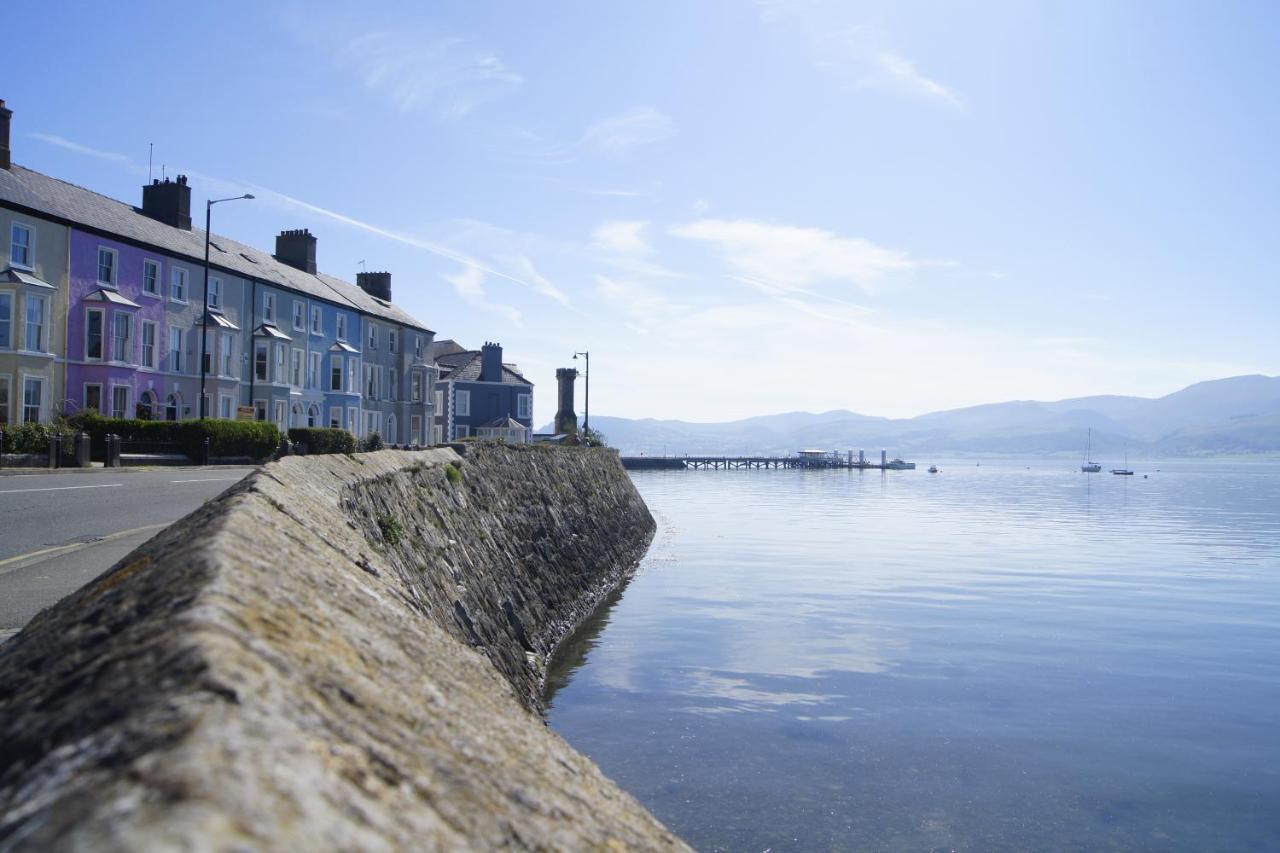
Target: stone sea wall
<point>338,653</point>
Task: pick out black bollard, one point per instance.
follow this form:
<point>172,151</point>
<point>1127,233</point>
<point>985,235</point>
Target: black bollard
<point>204,451</point>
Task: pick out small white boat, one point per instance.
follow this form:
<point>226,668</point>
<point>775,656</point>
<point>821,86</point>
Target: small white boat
<point>933,469</point>
<point>1089,466</point>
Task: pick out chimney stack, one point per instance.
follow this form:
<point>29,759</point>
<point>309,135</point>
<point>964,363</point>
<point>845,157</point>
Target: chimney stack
<point>297,249</point>
<point>566,419</point>
<point>5,115</point>
<point>491,362</point>
<point>168,202</point>
<point>376,284</point>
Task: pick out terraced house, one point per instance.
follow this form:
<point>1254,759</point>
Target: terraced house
<point>477,395</point>
<point>102,307</point>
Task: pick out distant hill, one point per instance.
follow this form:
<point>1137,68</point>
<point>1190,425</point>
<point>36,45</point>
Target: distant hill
<point>1240,414</point>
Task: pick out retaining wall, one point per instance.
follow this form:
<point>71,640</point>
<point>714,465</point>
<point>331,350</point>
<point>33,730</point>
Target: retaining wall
<point>338,653</point>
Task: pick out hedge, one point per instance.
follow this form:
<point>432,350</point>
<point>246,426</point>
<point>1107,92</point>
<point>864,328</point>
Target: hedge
<point>323,439</point>
<point>33,438</point>
<point>256,440</point>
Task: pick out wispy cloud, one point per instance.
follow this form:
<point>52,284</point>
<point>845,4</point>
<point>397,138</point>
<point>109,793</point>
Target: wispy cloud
<point>412,68</point>
<point>618,135</point>
<point>791,258</point>
<point>625,237</point>
<point>67,144</point>
<point>468,283</point>
<point>860,55</point>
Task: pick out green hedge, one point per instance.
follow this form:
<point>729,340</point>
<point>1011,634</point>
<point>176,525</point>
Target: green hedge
<point>33,438</point>
<point>323,439</point>
<point>257,440</point>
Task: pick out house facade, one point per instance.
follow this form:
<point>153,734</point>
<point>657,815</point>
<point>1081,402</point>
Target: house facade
<point>102,306</point>
<point>33,313</point>
<point>477,395</point>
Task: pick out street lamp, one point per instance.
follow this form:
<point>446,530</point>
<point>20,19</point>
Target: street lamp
<point>204,321</point>
<point>586,418</point>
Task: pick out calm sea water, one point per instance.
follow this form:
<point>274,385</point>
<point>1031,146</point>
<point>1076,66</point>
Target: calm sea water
<point>994,657</point>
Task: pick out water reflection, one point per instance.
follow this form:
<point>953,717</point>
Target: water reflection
<point>995,657</point>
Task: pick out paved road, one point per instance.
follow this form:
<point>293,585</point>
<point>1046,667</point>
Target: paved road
<point>58,531</point>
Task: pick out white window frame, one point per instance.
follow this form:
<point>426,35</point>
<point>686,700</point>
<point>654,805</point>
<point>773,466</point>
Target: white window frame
<point>340,326</point>
<point>130,337</point>
<point>128,398</point>
<point>179,282</point>
<point>462,431</point>
<point>524,405</point>
<point>41,406</point>
<point>392,340</point>
<point>353,419</point>
<point>437,434</point>
<point>415,386</point>
<point>261,348</point>
<point>415,429</point>
<point>142,343</point>
<point>84,395</point>
<point>228,355</point>
<point>299,315</point>
<point>154,263</point>
<point>260,410</point>
<point>462,403</point>
<point>215,292</point>
<point>6,398</point>
<point>174,362</point>
<point>373,336</point>
<point>30,246</point>
<point>269,307</point>
<point>335,417</point>
<point>439,395</point>
<point>392,382</point>
<point>44,345</point>
<point>226,407</point>
<point>353,376</point>
<point>372,422</point>
<point>335,363</point>
<point>102,334</point>
<point>417,346</point>
<point>317,327</point>
<point>113,277</point>
<point>296,367</point>
<point>313,370</point>
<point>370,382</point>
<point>6,343</point>
<point>281,415</point>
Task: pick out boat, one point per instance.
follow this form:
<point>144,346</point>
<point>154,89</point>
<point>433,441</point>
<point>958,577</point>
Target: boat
<point>1089,466</point>
<point>933,469</point>
<point>899,465</point>
<point>1124,472</point>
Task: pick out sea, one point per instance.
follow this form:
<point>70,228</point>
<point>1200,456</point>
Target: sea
<point>1004,655</point>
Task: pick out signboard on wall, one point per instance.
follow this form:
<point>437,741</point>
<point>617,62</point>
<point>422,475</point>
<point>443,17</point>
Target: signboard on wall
<point>244,413</point>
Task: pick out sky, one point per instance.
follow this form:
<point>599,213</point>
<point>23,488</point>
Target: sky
<point>738,208</point>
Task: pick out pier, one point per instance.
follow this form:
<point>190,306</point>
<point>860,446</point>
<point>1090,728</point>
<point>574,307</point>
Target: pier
<point>805,459</point>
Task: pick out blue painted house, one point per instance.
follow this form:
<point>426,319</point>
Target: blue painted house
<point>478,395</point>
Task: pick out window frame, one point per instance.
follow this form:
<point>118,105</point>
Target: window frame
<point>269,307</point>
<point>299,315</point>
<point>30,246</point>
<point>153,294</point>
<point>524,406</point>
<point>6,343</point>
<point>102,333</point>
<point>317,320</point>
<point>114,277</point>
<point>128,398</point>
<point>43,382</point>
<point>174,362</point>
<point>462,403</point>
<point>6,398</point>
<point>215,292</point>
<point>84,396</point>
<point>260,348</point>
<point>142,343</point>
<point>340,326</point>
<point>130,338</point>
<point>179,274</point>
<point>40,299</point>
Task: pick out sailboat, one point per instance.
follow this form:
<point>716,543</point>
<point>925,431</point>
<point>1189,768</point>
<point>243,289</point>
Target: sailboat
<point>1089,466</point>
<point>1124,472</point>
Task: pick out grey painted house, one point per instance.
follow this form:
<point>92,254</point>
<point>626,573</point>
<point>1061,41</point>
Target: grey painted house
<point>478,395</point>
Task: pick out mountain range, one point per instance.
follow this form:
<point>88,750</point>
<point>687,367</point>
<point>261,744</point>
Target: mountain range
<point>1237,415</point>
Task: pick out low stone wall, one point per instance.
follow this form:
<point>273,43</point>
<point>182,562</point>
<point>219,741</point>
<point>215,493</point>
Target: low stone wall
<point>301,664</point>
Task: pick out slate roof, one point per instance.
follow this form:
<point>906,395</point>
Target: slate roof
<point>468,369</point>
<point>61,200</point>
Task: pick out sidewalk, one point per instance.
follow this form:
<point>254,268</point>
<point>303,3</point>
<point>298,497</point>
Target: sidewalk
<point>99,468</point>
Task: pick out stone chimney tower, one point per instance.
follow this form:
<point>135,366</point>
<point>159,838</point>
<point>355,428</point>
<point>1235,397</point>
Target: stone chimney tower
<point>297,248</point>
<point>566,419</point>
<point>6,116</point>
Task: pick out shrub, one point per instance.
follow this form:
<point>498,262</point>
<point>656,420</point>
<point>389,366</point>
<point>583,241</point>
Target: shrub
<point>33,438</point>
<point>454,472</point>
<point>392,529</point>
<point>372,442</point>
<point>256,440</point>
<point>324,439</point>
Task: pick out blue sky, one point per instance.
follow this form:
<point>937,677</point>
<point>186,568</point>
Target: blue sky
<point>738,207</point>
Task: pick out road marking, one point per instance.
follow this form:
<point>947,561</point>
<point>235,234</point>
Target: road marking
<point>73,546</point>
<point>208,480</point>
<point>62,488</point>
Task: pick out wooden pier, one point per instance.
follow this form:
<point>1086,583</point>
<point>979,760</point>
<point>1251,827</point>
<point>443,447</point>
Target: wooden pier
<point>749,463</point>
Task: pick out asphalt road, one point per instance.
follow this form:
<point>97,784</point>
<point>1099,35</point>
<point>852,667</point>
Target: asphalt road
<point>60,530</point>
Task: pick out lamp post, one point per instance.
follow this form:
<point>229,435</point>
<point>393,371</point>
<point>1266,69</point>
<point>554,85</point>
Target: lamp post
<point>586,418</point>
<point>204,320</point>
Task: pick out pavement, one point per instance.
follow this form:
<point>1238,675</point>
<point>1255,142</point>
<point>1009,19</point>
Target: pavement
<point>61,529</point>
